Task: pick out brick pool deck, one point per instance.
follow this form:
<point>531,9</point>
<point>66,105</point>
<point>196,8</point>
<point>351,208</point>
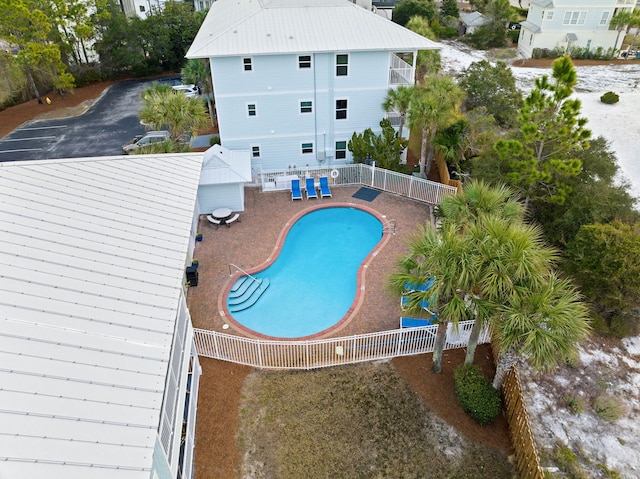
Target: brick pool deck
<point>251,242</point>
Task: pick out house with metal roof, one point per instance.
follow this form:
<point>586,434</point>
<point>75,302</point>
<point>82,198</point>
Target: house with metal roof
<point>294,79</point>
<point>98,368</point>
<point>564,24</point>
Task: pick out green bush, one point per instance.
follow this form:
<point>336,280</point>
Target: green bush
<point>610,98</point>
<point>608,407</point>
<point>574,404</point>
<point>214,140</point>
<point>476,395</point>
<point>513,35</point>
<point>448,32</point>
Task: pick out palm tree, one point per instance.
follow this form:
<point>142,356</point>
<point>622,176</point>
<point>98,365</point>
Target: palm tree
<point>625,20</point>
<point>399,99</point>
<point>196,71</point>
<point>181,115</point>
<point>434,105</point>
<point>542,326</point>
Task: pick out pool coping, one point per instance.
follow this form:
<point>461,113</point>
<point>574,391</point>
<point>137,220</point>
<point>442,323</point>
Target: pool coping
<point>360,278</point>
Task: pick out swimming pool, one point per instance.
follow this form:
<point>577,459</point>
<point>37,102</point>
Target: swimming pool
<point>313,281</point>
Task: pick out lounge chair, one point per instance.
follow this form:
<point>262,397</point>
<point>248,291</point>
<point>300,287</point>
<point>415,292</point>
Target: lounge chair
<point>404,303</point>
<point>421,287</point>
<point>416,322</point>
<point>213,221</point>
<point>296,194</point>
<point>324,187</point>
<point>311,188</point>
<point>234,218</point>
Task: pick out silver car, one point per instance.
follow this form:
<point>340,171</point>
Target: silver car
<point>191,91</point>
<point>147,139</point>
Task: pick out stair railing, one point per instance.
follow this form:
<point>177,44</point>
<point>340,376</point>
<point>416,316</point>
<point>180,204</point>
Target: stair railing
<point>389,227</point>
<point>242,271</point>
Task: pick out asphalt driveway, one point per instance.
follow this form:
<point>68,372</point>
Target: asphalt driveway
<point>100,131</point>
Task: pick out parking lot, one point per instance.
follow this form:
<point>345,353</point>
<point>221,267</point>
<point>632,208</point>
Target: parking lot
<point>101,131</point>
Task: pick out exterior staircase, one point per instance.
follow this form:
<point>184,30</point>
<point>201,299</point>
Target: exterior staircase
<point>246,292</point>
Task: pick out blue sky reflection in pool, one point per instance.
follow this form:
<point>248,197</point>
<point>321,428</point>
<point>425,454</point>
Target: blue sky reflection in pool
<point>313,279</point>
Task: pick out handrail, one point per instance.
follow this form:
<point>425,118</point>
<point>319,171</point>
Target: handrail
<point>389,226</point>
<point>243,271</point>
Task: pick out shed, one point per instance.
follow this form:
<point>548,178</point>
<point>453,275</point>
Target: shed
<point>473,20</point>
<point>224,174</point>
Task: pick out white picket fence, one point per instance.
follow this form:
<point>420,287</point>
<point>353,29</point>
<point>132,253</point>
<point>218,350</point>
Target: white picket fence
<point>360,174</point>
<point>313,354</point>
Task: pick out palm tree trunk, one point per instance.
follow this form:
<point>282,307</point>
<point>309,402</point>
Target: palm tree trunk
<point>401,126</point>
<point>423,151</point>
<point>473,342</point>
<point>432,145</point>
<point>33,84</point>
<point>441,338</point>
<point>506,361</point>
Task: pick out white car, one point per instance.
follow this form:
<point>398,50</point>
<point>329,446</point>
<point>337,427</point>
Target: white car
<point>191,91</point>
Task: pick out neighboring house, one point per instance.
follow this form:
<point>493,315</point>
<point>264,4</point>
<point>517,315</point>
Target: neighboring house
<point>473,20</point>
<point>563,24</point>
<point>224,174</point>
<point>293,80</point>
<point>99,370</point>
<point>142,8</point>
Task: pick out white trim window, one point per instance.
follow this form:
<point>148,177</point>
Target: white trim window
<point>604,18</point>
<point>341,109</point>
<point>307,148</point>
<point>342,65</point>
<point>341,150</point>
<point>306,106</point>
<point>252,109</point>
<point>550,15</point>
<point>255,151</point>
<point>247,64</point>
<point>574,18</point>
<point>304,61</point>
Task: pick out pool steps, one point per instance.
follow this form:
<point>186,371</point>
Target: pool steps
<point>245,293</point>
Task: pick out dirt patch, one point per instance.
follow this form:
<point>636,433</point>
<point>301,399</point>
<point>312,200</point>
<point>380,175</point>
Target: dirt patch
<point>547,62</point>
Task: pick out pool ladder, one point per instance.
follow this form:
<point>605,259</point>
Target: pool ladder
<point>389,227</point>
<point>231,265</point>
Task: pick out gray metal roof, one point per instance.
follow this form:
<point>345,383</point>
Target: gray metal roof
<point>260,27</point>
<point>92,255</point>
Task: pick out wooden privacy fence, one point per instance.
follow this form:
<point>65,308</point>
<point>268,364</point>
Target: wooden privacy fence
<point>312,354</point>
<point>408,186</point>
<point>526,453</point>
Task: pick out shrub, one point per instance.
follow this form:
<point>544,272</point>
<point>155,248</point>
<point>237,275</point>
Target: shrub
<point>608,407</point>
<point>476,395</point>
<point>214,140</point>
<point>610,98</point>
<point>574,404</point>
<point>568,462</point>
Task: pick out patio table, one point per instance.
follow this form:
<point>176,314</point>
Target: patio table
<point>221,213</point>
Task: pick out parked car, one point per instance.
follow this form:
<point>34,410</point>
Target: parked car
<point>190,91</point>
<point>147,139</point>
<point>515,26</point>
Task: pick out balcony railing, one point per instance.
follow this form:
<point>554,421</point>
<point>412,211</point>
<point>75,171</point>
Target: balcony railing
<point>400,72</point>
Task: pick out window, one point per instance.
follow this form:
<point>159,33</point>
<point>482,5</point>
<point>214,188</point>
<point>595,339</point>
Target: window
<point>342,65</point>
<point>604,18</point>
<point>255,152</point>
<point>550,16</point>
<point>251,109</point>
<point>574,18</point>
<point>142,8</point>
<point>341,109</point>
<point>304,61</point>
<point>307,148</point>
<point>247,65</point>
<point>306,107</point>
<point>341,150</point>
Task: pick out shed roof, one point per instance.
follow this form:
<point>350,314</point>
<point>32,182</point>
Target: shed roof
<point>262,27</point>
<point>92,255</point>
<point>473,19</point>
<point>222,165</point>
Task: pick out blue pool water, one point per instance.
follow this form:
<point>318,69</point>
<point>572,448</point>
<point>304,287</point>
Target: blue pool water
<point>313,279</point>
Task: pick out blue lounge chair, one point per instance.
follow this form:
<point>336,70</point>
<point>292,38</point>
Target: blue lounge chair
<point>311,188</point>
<point>324,187</point>
<point>421,287</point>
<point>416,322</point>
<point>404,302</point>
<point>296,194</point>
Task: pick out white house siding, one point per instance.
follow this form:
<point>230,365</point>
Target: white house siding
<point>277,86</point>
<point>540,31</point>
<point>229,195</point>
